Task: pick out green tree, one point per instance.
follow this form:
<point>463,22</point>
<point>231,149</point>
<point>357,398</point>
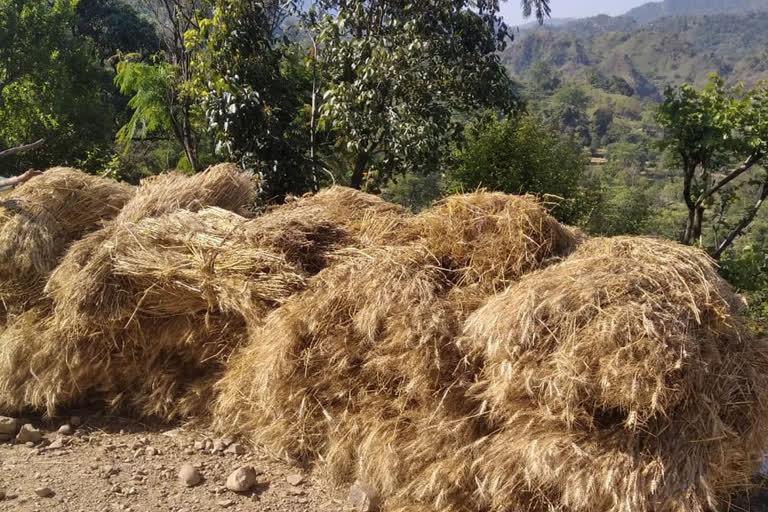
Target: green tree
<point>569,106</point>
<point>521,155</point>
<point>115,27</point>
<point>50,85</point>
<point>398,73</point>
<point>707,131</point>
<point>255,88</point>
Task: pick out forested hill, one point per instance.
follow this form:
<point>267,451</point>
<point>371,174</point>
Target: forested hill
<point>655,10</point>
<point>649,56</point>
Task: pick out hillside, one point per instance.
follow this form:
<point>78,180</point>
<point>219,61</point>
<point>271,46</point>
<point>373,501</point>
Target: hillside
<point>654,10</point>
<point>668,51</point>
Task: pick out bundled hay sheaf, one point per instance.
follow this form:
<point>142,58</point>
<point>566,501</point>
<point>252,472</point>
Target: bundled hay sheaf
<point>360,371</point>
<point>84,288</point>
<point>619,380</point>
<point>162,368</point>
<point>41,218</point>
<point>493,238</point>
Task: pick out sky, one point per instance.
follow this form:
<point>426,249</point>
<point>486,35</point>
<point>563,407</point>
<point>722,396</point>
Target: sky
<point>572,8</point>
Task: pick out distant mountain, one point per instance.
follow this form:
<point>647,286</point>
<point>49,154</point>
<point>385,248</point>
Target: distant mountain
<point>650,56</point>
<point>653,11</point>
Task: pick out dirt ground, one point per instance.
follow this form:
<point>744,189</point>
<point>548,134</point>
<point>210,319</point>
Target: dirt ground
<point>114,464</point>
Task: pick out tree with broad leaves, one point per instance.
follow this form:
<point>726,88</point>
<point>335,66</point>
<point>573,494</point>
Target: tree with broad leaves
<point>707,131</point>
<point>400,76</point>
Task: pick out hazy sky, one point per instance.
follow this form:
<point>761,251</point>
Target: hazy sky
<point>572,8</point>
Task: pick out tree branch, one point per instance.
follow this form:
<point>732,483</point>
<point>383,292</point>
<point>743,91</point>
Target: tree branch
<point>745,221</point>
<point>21,149</point>
<point>747,165</point>
<point>18,180</point>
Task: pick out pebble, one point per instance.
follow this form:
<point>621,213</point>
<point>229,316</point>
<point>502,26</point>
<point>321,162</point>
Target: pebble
<point>44,492</point>
<point>225,503</point>
<point>56,444</point>
<point>218,446</point>
<point>189,475</point>
<point>150,451</point>
<point>29,434</point>
<point>362,498</point>
<point>66,430</point>
<point>9,426</point>
<point>295,479</point>
<point>199,445</point>
<point>236,449</point>
<point>242,479</point>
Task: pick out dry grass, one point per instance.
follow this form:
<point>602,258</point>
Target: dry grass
<point>492,238</point>
<point>84,287</point>
<point>619,380</point>
<point>40,218</point>
<point>161,368</point>
<point>360,371</point>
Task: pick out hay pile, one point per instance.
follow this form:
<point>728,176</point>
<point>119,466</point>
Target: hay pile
<point>478,356</point>
<point>40,218</point>
<point>618,380</point>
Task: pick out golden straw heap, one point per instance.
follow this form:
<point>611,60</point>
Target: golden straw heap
<point>476,357</point>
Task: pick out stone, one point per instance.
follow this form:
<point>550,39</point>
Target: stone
<point>225,503</point>
<point>29,434</point>
<point>199,445</point>
<point>362,498</point>
<point>189,475</point>
<point>66,430</point>
<point>242,479</point>
<point>295,479</point>
<point>9,426</point>
<point>150,451</point>
<point>56,444</point>
<point>219,446</point>
<point>4,438</point>
<point>44,492</point>
<point>236,449</point>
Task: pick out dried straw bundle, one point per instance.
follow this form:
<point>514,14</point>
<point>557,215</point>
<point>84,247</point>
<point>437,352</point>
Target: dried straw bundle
<point>619,381</point>
<point>358,327</point>
<point>162,368</point>
<point>39,219</point>
<point>187,263</point>
<point>84,288</point>
<point>368,220</point>
<point>492,238</point>
<point>223,185</point>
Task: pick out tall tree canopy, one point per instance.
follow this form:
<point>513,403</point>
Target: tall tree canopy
<point>50,84</point>
<point>397,74</point>
<point>718,136</point>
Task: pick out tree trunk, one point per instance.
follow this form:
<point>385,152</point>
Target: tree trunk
<point>361,162</point>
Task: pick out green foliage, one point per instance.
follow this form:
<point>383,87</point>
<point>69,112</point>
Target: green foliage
<point>254,86</point>
<point>115,27</point>
<point>397,74</point>
<point>521,155</point>
<point>414,191</point>
<point>620,210</point>
<point>50,85</point>
<point>149,86</point>
<point>747,270</point>
<point>717,135</point>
